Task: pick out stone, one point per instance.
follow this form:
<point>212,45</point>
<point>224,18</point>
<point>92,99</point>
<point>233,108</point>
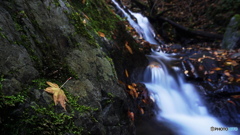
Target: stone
<point>231,37</point>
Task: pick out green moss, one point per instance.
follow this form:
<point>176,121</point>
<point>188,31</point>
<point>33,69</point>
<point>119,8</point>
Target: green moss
<point>1,80</point>
<point>101,17</point>
<point>237,17</point>
<point>11,100</point>
<point>56,3</point>
<point>46,121</point>
<point>40,83</point>
<point>2,34</point>
<point>73,102</point>
<point>39,117</point>
<point>72,72</point>
<point>77,21</point>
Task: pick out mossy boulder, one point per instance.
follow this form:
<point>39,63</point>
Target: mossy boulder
<point>51,41</point>
<point>231,38</point>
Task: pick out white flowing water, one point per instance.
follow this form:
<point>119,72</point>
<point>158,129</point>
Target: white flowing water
<point>178,103</point>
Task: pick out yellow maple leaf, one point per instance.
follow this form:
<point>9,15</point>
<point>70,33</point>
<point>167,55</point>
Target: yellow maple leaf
<point>58,94</point>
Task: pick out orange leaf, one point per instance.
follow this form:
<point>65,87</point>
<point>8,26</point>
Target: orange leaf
<point>58,94</point>
<point>236,96</point>
<point>144,101</point>
<point>131,115</point>
<point>231,78</point>
<point>131,87</point>
<point>201,67</point>
<point>128,48</point>
<point>121,82</point>
<point>230,101</point>
<point>238,80</point>
<point>101,34</point>
<point>134,84</point>
<point>212,72</point>
<point>126,73</point>
<point>227,73</point>
<point>217,69</point>
<point>141,110</point>
<point>52,84</point>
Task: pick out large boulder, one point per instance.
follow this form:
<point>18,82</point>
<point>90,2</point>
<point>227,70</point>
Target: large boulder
<point>51,40</point>
<point>231,38</point>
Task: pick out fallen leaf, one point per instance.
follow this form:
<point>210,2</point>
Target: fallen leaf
<point>58,94</point>
<point>133,91</point>
<point>201,67</point>
<point>121,82</point>
<point>84,21</point>
<point>126,73</point>
<point>141,110</point>
<point>211,72</point>
<point>131,115</point>
<point>236,96</point>
<point>134,84</point>
<point>231,78</point>
<point>128,48</point>
<point>238,80</point>
<point>144,101</point>
<point>217,69</point>
<point>101,34</point>
<point>230,101</point>
<point>131,87</point>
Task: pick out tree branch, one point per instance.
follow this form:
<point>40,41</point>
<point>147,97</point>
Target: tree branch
<point>193,32</point>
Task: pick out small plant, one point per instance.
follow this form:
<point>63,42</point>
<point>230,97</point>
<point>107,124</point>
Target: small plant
<point>11,100</point>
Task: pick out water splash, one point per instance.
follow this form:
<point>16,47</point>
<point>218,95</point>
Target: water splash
<point>178,103</point>
<point>139,25</point>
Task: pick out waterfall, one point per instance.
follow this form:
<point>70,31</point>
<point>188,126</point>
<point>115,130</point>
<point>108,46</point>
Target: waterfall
<point>178,103</point>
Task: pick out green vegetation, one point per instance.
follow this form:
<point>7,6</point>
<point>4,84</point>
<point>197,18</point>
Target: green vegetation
<point>1,80</point>
<point>98,15</point>
<point>40,119</point>
<point>36,116</point>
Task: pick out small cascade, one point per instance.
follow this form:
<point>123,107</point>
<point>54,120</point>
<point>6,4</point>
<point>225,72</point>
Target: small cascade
<point>139,25</point>
<point>178,103</point>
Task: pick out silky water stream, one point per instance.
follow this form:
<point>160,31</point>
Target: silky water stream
<point>178,103</point>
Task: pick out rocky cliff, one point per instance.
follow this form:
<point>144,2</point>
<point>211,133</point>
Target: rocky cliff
<point>52,40</point>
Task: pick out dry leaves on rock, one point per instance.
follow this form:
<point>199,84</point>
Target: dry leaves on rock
<point>58,94</point>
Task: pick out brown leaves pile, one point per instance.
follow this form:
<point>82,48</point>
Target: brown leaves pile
<point>58,94</point>
<point>226,62</point>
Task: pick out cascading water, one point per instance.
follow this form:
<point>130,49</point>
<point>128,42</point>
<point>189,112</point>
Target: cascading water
<point>178,103</point>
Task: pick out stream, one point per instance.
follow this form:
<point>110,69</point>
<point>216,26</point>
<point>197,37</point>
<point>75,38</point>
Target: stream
<point>178,104</point>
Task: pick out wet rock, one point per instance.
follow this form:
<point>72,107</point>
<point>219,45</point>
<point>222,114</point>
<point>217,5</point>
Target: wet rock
<point>232,35</point>
<point>40,39</point>
<point>11,86</point>
<point>16,65</point>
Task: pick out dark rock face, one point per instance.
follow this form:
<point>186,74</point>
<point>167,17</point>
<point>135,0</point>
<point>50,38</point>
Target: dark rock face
<point>232,34</point>
<point>52,40</point>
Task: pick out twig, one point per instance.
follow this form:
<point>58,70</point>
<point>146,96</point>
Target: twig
<point>66,82</point>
